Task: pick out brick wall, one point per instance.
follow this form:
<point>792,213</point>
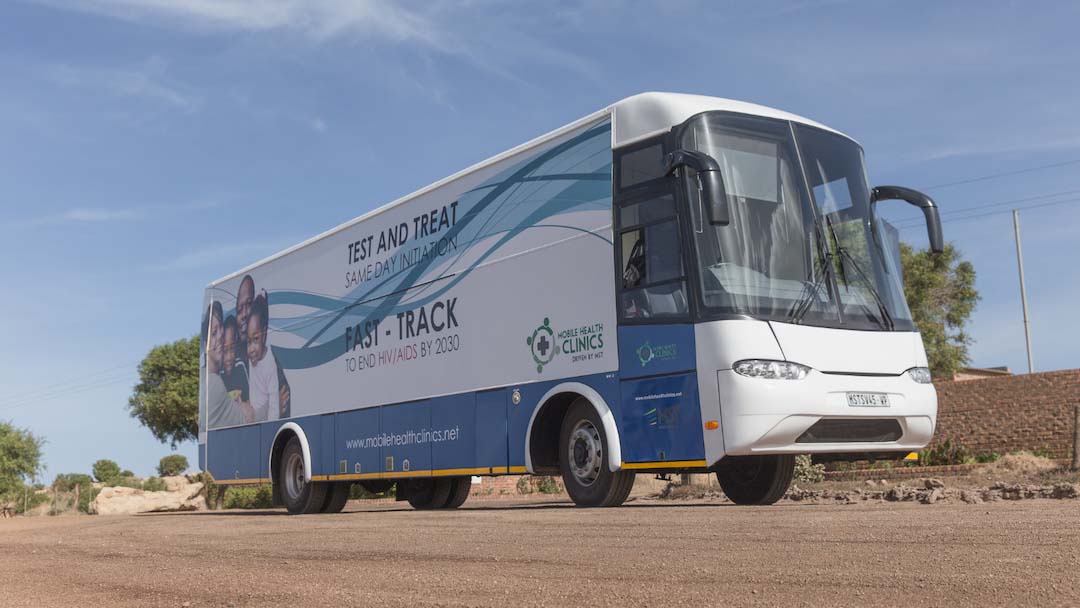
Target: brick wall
<point>1010,413</point>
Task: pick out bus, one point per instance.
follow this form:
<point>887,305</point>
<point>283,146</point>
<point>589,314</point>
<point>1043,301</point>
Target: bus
<point>674,284</point>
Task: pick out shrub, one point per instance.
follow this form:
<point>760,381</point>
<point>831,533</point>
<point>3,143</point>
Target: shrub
<point>154,484</point>
<point>249,498</point>
<point>808,472</point>
<point>945,453</point>
<point>524,486</point>
<point>548,485</point>
<point>66,482</point>
<point>126,473</point>
<point>173,464</point>
<point>64,492</point>
<point>106,470</point>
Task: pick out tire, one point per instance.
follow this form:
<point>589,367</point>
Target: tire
<point>583,460</point>
<point>756,480</point>
<point>299,496</point>
<point>336,497</point>
<point>459,492</point>
<point>430,493</point>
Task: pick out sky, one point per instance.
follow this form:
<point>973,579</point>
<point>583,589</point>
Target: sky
<point>136,132</point>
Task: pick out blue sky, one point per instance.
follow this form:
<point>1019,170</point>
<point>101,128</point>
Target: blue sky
<point>134,130</point>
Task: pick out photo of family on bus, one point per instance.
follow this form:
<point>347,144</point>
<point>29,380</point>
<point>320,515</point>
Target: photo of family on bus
<point>244,382</point>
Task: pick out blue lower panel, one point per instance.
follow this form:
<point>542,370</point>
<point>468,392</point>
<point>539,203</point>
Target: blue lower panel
<point>661,419</point>
<point>234,453</point>
<point>491,429</point>
<point>453,432</point>
<point>406,437</point>
<point>357,441</point>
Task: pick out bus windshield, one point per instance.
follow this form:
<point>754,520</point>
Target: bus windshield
<point>803,244</point>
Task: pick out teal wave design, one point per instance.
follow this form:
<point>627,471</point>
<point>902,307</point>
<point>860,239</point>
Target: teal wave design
<point>523,197</point>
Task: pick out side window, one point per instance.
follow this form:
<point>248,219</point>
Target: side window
<point>641,165</point>
<point>652,278</point>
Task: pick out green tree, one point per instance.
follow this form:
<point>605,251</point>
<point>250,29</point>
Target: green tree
<point>20,460</point>
<point>173,464</point>
<point>166,400</point>
<point>941,293</point>
<point>105,470</point>
<point>65,484</point>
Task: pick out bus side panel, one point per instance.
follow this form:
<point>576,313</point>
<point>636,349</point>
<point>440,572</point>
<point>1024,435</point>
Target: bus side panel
<point>356,434</point>
<point>453,432</point>
<point>234,453</point>
<point>403,429</point>
<point>491,442</point>
<point>500,277</point>
<point>661,419</point>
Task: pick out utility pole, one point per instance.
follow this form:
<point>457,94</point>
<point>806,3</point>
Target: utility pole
<point>1023,290</point>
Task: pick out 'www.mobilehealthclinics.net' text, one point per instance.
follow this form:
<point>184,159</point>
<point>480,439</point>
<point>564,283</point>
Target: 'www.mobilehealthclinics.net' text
<point>384,440</point>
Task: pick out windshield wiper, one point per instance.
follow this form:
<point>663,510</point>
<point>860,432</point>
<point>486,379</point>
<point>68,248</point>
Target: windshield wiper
<point>806,302</point>
<point>886,319</point>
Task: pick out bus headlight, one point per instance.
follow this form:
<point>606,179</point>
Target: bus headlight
<point>770,370</point>
<point>920,375</point>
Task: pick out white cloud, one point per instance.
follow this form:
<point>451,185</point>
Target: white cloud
<point>145,82</point>
<point>319,19</point>
<point>225,255</point>
<point>91,215</point>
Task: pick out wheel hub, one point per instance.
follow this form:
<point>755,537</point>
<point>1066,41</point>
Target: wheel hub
<point>585,453</point>
<point>294,476</point>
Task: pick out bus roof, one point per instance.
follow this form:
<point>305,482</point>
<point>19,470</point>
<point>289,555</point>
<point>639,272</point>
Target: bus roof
<point>633,118</point>
<point>647,114</point>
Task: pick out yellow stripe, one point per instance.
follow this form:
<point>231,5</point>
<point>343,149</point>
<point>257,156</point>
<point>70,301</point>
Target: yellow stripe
<point>236,482</point>
<point>517,470</point>
<point>354,476</point>
<point>668,464</point>
<point>449,472</point>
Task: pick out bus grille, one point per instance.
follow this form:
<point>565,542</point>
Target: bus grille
<point>852,431</point>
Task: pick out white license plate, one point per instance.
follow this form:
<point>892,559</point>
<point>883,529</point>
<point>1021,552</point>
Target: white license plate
<point>868,399</point>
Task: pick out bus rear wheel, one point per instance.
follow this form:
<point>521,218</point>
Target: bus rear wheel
<point>300,495</point>
<point>756,480</point>
<point>459,492</point>
<point>430,493</point>
<point>583,460</point>
<point>336,497</point>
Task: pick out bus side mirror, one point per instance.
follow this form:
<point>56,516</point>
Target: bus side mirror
<point>710,181</point>
<point>920,200</point>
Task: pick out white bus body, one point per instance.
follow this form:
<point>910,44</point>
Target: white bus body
<point>584,305</point>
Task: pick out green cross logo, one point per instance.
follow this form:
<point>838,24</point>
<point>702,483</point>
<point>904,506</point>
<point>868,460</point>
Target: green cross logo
<point>542,345</point>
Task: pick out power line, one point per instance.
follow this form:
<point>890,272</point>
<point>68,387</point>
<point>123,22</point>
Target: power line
<point>949,213</point>
<point>998,212</point>
<point>76,379</point>
<point>1003,174</point>
<point>45,395</point>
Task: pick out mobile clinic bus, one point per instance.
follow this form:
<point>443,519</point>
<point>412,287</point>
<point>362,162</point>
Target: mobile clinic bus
<point>673,284</point>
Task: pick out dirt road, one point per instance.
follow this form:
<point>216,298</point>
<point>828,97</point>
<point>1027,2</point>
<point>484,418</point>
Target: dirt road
<point>551,554</point>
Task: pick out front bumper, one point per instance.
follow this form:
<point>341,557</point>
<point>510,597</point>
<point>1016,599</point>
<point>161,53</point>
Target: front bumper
<point>769,416</point>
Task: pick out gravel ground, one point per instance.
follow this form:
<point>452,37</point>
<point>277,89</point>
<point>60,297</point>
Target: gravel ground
<point>646,553</point>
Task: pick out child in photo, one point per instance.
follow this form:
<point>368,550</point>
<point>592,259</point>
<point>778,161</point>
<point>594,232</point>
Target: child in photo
<point>221,409</point>
<point>264,388</point>
<point>233,370</point>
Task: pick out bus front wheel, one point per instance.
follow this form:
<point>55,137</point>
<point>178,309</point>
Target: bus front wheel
<point>583,460</point>
<point>756,480</point>
<point>300,495</point>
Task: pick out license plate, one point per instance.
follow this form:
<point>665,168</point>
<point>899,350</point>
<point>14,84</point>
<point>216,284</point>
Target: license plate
<point>868,399</point>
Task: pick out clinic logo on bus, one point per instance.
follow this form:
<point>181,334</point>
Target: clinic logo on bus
<point>542,344</point>
<point>647,353</point>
